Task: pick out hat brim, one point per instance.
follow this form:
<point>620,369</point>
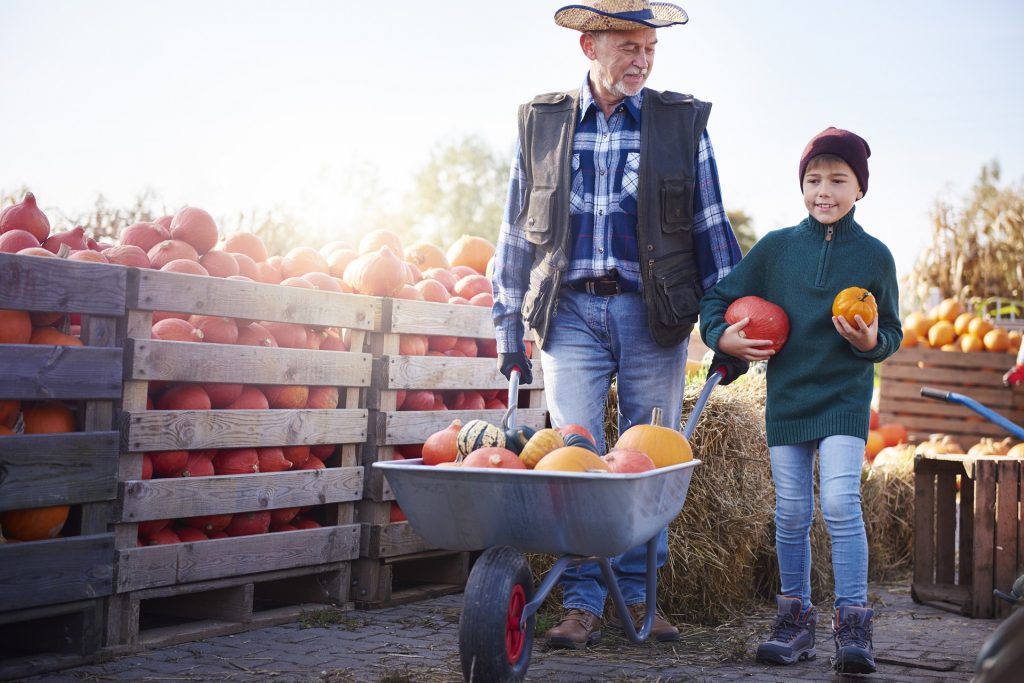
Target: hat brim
<point>585,18</point>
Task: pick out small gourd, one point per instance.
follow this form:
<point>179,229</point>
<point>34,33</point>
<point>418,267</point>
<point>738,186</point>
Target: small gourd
<point>540,444</point>
<point>517,437</point>
<point>479,434</point>
<point>581,441</point>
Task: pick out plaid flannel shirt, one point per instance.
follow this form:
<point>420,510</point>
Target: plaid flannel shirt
<point>602,214</point>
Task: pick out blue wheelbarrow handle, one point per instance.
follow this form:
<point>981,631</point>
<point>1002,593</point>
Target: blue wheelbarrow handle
<point>987,413</point>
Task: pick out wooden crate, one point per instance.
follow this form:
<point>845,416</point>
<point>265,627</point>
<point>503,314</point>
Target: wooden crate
<point>977,375</point>
<point>398,580</point>
<point>158,575</point>
<point>965,546</point>
<point>52,592</point>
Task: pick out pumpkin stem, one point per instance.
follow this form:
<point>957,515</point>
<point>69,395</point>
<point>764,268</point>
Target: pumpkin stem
<point>656,417</point>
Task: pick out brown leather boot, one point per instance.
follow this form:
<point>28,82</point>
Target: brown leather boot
<point>577,629</point>
<point>662,629</point>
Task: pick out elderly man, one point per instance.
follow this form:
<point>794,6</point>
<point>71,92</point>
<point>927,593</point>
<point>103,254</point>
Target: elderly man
<point>613,230</point>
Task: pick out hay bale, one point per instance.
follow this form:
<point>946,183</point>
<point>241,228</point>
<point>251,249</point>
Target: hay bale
<point>722,545</point>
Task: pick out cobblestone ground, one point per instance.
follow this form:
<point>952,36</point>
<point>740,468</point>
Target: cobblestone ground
<point>419,643</point>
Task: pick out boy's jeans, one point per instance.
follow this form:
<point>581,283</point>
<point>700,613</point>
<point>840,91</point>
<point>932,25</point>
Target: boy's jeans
<point>590,339</point>
<point>839,463</point>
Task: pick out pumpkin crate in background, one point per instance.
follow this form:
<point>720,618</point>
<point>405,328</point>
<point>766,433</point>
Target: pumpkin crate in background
<point>58,457</point>
<point>977,375</point>
<point>395,564</point>
<point>208,562</point>
<point>965,546</point>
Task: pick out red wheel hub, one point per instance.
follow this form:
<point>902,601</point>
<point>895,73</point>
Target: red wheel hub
<point>514,635</point>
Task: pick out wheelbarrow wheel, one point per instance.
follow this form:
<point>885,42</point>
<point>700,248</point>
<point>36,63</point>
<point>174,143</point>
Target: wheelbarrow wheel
<point>492,645</point>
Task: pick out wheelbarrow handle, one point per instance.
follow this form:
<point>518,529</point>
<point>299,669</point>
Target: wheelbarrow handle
<point>509,419</point>
<point>968,402</point>
<point>714,377</point>
<point>936,394</point>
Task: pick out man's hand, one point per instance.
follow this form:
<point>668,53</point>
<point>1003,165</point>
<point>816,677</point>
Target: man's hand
<point>734,367</point>
<point>518,359</point>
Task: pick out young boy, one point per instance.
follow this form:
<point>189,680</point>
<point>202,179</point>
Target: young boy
<point>819,389</point>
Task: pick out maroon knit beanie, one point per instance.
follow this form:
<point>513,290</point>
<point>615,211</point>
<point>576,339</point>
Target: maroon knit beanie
<point>849,147</point>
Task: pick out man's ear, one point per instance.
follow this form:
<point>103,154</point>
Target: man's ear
<point>587,45</point>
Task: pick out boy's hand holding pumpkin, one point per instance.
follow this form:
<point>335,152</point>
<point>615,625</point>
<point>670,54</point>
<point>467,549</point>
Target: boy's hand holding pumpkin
<point>864,337</point>
<point>735,344</point>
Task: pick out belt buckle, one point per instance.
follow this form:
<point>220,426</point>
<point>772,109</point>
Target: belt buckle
<point>603,287</point>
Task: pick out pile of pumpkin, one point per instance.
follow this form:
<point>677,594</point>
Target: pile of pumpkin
<point>949,327</point>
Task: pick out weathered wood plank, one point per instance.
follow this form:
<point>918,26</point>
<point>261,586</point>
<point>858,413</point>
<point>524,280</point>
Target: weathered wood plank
<point>161,291</point>
<point>995,398</point>
<point>31,371</point>
<point>41,284</point>
<point>945,528</point>
<point>924,522</point>
<point>37,470</point>
<point>193,496</point>
<point>150,359</point>
<point>970,430</point>
<point>140,568</point>
<point>984,538</point>
<point>1006,569</point>
<point>59,570</point>
<point>928,375</point>
<point>442,372</point>
<point>889,405</point>
<point>390,540</point>
<point>166,430</point>
<point>427,317</point>
<point>405,427</point>
<point>937,358</point>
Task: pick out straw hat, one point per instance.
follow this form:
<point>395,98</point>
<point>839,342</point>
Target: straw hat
<point>620,15</point>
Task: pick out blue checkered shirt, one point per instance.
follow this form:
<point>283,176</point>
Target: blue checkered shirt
<point>603,214</point>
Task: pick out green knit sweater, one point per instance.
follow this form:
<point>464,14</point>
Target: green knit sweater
<point>819,384</point>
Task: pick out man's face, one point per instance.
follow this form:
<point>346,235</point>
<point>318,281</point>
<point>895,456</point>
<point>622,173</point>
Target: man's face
<point>621,61</point>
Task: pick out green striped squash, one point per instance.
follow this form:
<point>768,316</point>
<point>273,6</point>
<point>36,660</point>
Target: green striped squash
<point>478,434</point>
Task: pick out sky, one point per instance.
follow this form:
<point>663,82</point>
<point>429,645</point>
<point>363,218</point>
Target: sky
<point>237,106</point>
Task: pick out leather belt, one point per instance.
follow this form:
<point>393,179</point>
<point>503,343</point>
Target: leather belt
<point>598,286</point>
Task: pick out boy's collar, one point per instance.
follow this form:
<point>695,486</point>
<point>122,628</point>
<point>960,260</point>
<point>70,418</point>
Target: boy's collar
<point>845,227</point>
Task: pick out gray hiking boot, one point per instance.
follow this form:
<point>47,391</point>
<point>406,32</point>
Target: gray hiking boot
<point>792,636</point>
<point>851,629</point>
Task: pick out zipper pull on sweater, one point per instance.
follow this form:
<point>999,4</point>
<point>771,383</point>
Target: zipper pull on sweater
<point>828,234</point>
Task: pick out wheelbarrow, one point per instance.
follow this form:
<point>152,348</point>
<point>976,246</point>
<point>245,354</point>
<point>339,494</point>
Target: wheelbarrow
<point>1002,655</point>
<point>511,512</point>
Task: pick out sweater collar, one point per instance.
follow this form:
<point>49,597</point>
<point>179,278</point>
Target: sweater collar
<point>843,230</point>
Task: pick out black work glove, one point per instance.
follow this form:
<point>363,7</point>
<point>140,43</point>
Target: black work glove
<point>507,361</point>
<point>734,367</point>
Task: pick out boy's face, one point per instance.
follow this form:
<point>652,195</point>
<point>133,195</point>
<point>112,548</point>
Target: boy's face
<point>830,190</point>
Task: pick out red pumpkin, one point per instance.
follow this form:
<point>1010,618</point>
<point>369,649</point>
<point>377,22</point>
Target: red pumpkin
<point>236,461</point>
<point>767,321</point>
<point>494,456</point>
<point>379,273</point>
<point>624,460</point>
<point>249,523</point>
<point>26,216</point>
<point>442,446</point>
<point>196,227</point>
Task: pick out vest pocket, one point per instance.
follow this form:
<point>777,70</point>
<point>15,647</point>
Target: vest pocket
<point>676,291</point>
<point>676,204</point>
<point>539,217</point>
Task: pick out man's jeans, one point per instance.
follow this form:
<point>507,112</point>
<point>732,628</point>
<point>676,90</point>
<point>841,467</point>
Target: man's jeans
<point>590,339</point>
<point>839,465</point>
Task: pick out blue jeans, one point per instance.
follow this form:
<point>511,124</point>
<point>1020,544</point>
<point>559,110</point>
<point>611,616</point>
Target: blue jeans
<point>592,338</point>
<point>839,466</point>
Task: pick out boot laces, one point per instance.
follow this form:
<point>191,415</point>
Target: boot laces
<point>853,631</point>
<point>785,628</point>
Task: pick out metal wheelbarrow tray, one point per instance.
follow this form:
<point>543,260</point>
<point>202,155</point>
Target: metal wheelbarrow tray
<point>560,513</point>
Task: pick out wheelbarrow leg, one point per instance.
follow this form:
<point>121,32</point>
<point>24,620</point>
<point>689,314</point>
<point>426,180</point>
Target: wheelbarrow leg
<point>652,593</point>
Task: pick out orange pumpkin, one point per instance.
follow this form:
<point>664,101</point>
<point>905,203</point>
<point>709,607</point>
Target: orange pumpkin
<point>893,433</point>
<point>941,334</point>
<point>919,323</point>
<point>571,459</point>
<point>471,251</point>
<point>375,239</point>
<point>34,524</point>
<point>378,273</point>
<point>246,243</point>
<point>542,442</point>
<point>441,446</point>
<point>950,309</point>
<point>493,456</point>
<point>854,301</point>
<point>47,417</point>
<point>971,344</point>
<point>302,260</point>
<point>425,255</point>
<point>874,444</point>
<point>15,327</point>
<point>997,340</point>
<point>962,322</point>
<point>664,445</point>
<point>9,409</point>
<point>979,327</point>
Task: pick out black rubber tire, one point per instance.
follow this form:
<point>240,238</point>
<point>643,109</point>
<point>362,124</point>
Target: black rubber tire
<point>491,648</point>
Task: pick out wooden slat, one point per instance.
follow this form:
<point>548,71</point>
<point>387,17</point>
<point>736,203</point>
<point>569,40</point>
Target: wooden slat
<point>966,564</point>
<point>889,405</point>
<point>160,291</point>
<point>957,595</point>
<point>194,496</point>
<point>949,359</point>
<point>150,359</point>
<point>167,430</point>
<point>945,528</point>
<point>1007,521</point>
<point>970,430</point>
<point>928,376</point>
<point>442,372</point>
<point>426,317</point>
<point>924,522</point>
<point>140,568</point>
<point>993,398</point>
<point>59,570</point>
<point>31,371</point>
<point>390,540</point>
<point>37,470</point>
<point>984,538</point>
<point>41,284</point>
<point>408,427</point>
